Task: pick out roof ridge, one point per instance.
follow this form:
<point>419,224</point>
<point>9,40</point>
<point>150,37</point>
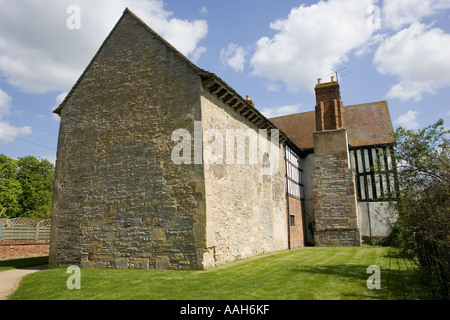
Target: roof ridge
<point>351,105</point>
<point>292,114</point>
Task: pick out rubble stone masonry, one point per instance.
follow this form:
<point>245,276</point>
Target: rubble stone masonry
<point>119,199</point>
<point>335,203</point>
<point>246,210</point>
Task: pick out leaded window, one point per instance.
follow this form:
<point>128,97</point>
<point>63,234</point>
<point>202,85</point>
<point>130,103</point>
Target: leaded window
<point>379,184</point>
<point>294,174</point>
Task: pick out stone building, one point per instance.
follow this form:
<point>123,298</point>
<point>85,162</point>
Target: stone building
<point>161,164</point>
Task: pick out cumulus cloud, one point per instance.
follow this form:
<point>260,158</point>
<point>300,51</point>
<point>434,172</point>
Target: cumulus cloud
<point>418,57</point>
<point>5,103</point>
<point>8,132</point>
<point>234,57</point>
<point>311,41</point>
<point>39,53</point>
<point>197,53</point>
<point>408,120</point>
<point>399,13</point>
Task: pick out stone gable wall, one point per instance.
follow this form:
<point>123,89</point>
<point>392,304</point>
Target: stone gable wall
<point>119,200</point>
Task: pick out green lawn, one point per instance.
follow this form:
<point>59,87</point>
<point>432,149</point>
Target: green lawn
<point>306,273</point>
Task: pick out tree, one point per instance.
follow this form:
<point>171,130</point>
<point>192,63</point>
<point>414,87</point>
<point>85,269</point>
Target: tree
<point>10,188</point>
<point>423,204</point>
<point>26,187</point>
<point>36,178</point>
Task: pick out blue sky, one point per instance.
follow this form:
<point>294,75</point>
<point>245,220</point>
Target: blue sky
<point>274,51</point>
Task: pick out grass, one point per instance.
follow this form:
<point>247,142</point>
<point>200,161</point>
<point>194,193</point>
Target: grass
<point>306,273</point>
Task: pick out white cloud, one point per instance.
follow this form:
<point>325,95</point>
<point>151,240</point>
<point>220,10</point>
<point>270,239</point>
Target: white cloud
<point>281,111</point>
<point>367,47</point>
<point>408,120</point>
<point>234,57</point>
<point>311,41</point>
<point>59,99</point>
<point>38,53</point>
<point>5,103</point>
<point>418,57</point>
<point>7,131</point>
<point>398,13</point>
<point>197,53</point>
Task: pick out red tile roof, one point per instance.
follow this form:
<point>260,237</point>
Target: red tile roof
<point>367,124</point>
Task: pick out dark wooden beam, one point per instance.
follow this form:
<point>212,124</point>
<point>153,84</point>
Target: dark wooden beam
<point>228,98</point>
<point>216,90</point>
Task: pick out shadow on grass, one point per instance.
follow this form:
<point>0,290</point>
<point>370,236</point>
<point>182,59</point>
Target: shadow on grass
<point>395,284</point>
<point>23,263</point>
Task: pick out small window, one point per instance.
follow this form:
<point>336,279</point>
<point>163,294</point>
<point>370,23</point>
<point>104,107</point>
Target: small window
<point>292,220</point>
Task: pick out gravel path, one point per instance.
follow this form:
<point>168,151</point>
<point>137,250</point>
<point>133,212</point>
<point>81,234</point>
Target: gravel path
<point>10,279</point>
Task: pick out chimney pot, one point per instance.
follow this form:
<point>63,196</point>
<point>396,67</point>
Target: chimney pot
<point>333,78</point>
<point>250,101</point>
<point>319,81</point>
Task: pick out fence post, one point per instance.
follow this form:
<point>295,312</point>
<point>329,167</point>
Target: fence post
<point>37,231</point>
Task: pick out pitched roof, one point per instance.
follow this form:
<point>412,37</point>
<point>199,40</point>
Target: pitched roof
<point>367,124</point>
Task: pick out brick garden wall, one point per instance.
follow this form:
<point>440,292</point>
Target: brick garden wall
<point>10,250</point>
<point>296,232</point>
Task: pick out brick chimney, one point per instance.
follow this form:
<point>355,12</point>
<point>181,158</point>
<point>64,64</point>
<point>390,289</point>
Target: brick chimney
<point>329,107</point>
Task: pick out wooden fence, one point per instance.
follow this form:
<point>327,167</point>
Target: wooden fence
<point>24,229</point>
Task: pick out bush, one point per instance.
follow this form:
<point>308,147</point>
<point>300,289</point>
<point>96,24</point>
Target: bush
<point>423,226</point>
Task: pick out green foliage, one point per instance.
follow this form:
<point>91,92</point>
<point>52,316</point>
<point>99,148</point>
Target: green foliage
<point>423,162</point>
<point>26,187</point>
<point>10,188</point>
<point>8,167</point>
<point>10,193</point>
<point>36,177</point>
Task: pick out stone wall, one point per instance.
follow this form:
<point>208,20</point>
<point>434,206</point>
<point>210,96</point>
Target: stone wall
<point>335,203</point>
<point>246,210</point>
<point>308,170</point>
<point>119,200</point>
